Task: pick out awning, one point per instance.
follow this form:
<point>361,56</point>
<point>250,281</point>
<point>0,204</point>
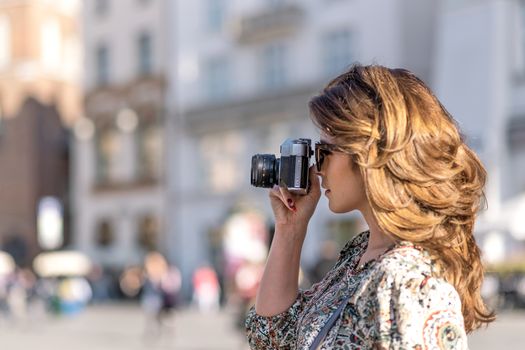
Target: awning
<point>62,263</point>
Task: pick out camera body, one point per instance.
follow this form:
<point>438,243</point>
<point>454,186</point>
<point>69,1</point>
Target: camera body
<point>291,170</point>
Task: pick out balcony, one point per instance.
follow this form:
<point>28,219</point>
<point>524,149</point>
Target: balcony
<point>269,24</point>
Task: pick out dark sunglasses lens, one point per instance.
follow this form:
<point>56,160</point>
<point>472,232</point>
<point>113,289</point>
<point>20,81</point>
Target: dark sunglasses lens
<point>320,154</point>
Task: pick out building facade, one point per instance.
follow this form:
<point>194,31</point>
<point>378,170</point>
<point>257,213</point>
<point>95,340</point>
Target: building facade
<point>480,77</point>
<point>119,163</point>
<point>180,94</point>
<point>244,73</point>
<point>39,98</point>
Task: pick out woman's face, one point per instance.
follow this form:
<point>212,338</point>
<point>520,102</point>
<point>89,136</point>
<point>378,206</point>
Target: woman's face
<point>343,185</point>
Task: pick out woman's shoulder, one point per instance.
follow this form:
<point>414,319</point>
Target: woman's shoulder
<point>405,261</point>
<point>413,302</point>
<point>409,267</point>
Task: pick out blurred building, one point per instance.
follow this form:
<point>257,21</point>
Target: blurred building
<point>480,77</point>
<point>39,97</point>
<point>118,166</point>
<point>180,94</point>
<point>244,73</point>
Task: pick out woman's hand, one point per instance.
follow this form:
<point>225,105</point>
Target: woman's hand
<point>278,288</point>
<point>295,210</point>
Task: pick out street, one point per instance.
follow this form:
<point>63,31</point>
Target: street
<point>507,332</point>
<point>123,326</point>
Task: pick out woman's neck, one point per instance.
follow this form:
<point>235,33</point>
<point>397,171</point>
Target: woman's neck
<point>377,239</point>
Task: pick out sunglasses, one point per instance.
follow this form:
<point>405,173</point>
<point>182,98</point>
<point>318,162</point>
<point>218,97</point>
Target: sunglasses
<point>322,150</point>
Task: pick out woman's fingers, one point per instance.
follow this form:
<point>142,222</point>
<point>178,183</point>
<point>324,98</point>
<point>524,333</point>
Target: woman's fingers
<point>288,198</point>
<point>276,193</point>
<point>284,196</point>
<point>301,207</point>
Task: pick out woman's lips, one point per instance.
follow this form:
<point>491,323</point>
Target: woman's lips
<point>326,192</point>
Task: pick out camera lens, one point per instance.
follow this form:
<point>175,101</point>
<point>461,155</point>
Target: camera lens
<point>265,169</point>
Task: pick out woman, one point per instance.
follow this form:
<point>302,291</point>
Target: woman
<point>390,150</point>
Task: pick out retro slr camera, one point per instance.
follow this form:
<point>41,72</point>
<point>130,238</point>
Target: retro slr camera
<point>291,170</point>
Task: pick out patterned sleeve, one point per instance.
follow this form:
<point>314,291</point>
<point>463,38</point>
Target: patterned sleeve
<point>274,332</point>
<point>418,312</point>
<point>280,331</point>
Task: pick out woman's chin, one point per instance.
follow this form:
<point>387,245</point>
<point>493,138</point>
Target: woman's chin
<point>334,208</point>
<point>338,209</point>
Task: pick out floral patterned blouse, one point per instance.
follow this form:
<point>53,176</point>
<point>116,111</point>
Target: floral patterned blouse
<point>396,301</point>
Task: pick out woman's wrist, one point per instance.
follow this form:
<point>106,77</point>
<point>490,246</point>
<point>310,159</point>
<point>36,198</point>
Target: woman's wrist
<point>294,232</point>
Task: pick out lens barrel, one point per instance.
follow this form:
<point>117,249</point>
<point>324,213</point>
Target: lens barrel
<point>265,170</point>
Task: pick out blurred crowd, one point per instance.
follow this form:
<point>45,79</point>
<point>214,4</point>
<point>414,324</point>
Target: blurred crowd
<point>156,287</point>
<point>504,291</point>
<point>24,296</point>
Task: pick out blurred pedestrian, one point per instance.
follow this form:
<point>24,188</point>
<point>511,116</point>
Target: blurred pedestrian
<point>490,290</point>
<point>100,282</point>
<point>17,298</point>
<point>159,295</point>
<point>74,293</point>
<point>247,281</point>
<point>206,290</point>
<point>412,280</point>
<point>170,285</point>
<point>4,308</point>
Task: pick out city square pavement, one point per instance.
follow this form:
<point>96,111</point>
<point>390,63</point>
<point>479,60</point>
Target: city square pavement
<point>115,327</point>
<point>123,326</point>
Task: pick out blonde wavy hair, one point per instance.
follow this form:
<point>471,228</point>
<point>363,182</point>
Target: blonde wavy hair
<point>423,183</point>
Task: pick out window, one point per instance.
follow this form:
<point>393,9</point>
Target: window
<point>150,151</point>
<point>5,40</point>
<point>215,15</point>
<point>148,234</point>
<point>104,236</point>
<point>338,51</point>
<point>217,78</point>
<point>101,7</point>
<point>274,66</point>
<point>102,65</point>
<point>109,154</point>
<point>145,54</point>
<point>221,156</point>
